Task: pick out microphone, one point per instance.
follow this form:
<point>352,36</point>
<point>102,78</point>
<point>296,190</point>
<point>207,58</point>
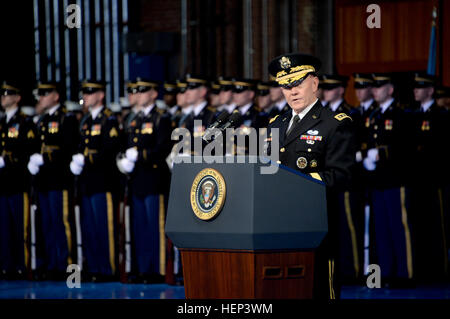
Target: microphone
<point>233,121</point>
<point>218,122</point>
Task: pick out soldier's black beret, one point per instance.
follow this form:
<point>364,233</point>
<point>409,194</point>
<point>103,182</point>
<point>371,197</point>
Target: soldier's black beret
<point>291,69</point>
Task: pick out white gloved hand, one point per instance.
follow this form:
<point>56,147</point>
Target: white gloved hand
<point>369,164</point>
<point>37,159</point>
<point>2,162</point>
<point>373,154</point>
<point>75,168</point>
<point>126,165</point>
<point>359,156</point>
<point>132,154</point>
<point>78,159</point>
<point>32,168</point>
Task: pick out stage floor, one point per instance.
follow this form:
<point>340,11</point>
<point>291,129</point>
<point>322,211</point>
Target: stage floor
<point>115,290</point>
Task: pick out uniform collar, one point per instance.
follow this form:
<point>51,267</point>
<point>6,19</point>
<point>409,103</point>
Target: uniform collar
<point>199,107</point>
<point>245,108</point>
<point>53,109</point>
<point>281,104</point>
<point>365,105</point>
<point>384,106</point>
<point>426,106</point>
<point>10,113</point>
<point>304,111</point>
<point>334,106</point>
<point>146,110</point>
<point>187,109</point>
<point>95,112</point>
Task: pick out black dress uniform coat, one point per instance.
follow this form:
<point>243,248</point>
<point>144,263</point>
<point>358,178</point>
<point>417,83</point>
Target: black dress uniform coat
<point>388,132</point>
<point>18,142</point>
<point>151,135</point>
<point>58,135</point>
<point>99,143</point>
<point>322,143</point>
<point>344,107</point>
<point>254,118</point>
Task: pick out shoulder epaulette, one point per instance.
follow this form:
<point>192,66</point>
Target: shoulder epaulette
<point>342,116</point>
<point>273,119</point>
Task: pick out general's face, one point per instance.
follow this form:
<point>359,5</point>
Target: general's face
<point>302,95</point>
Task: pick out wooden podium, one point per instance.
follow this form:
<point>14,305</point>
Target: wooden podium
<point>261,244</point>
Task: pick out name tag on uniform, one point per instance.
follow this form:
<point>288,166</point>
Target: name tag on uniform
<point>53,127</point>
<point>96,129</point>
<point>147,128</point>
<point>311,137</point>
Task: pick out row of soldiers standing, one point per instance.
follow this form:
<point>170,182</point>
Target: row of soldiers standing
<point>101,160</point>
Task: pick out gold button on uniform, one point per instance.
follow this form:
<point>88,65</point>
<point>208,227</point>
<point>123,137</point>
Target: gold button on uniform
<point>375,135</point>
<point>282,150</point>
<point>42,137</point>
<point>86,141</point>
<point>309,150</point>
<point>135,139</point>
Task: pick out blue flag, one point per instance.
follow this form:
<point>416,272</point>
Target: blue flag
<point>431,69</point>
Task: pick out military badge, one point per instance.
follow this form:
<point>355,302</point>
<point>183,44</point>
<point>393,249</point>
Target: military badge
<point>388,125</point>
<point>425,126</point>
<point>113,132</point>
<point>96,129</point>
<point>13,131</point>
<point>147,128</point>
<point>311,142</point>
<point>285,63</point>
<point>311,137</point>
<point>302,162</point>
<point>53,127</point>
<point>312,132</point>
<point>208,193</point>
<point>313,163</point>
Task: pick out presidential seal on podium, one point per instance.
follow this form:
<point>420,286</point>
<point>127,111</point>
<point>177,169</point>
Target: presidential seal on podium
<point>208,194</point>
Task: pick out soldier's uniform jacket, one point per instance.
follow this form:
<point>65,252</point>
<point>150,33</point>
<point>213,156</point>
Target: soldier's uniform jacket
<point>276,111</point>
<point>99,143</point>
<point>151,135</point>
<point>18,142</point>
<point>321,145</point>
<point>343,107</point>
<point>388,133</point>
<point>58,137</point>
<point>206,115</point>
<point>255,118</point>
<point>428,133</point>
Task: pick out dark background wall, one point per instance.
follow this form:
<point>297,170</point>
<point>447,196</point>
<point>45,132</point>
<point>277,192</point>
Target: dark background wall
<point>167,38</point>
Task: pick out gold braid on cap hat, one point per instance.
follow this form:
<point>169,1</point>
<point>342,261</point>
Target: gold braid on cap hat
<point>296,73</point>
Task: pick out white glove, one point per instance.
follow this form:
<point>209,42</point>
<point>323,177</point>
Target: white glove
<point>2,162</point>
<point>125,165</point>
<point>75,168</point>
<point>359,156</point>
<point>78,159</point>
<point>132,154</point>
<point>373,154</point>
<point>33,168</point>
<point>37,159</point>
<point>369,164</point>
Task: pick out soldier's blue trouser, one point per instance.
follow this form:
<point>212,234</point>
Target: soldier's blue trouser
<point>97,224</point>
<point>14,222</point>
<point>392,232</point>
<point>149,243</point>
<point>54,208</point>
